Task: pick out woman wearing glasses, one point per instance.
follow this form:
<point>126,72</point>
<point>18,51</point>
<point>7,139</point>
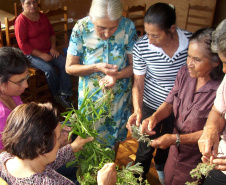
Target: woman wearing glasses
<point>13,81</point>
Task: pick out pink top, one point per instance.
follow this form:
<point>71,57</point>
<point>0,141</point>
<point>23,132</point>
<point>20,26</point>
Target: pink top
<point>220,104</point>
<point>4,112</point>
<point>32,35</point>
<point>48,177</point>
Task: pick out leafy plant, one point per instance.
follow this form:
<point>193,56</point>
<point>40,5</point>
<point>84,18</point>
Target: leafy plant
<point>95,153</point>
<point>201,170</point>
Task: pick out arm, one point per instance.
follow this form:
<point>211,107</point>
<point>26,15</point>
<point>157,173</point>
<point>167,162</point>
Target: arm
<point>107,175</point>
<point>73,67</point>
<point>53,50</point>
<point>137,91</point>
<point>209,141</point>
<point>167,140</point>
<point>161,113</point>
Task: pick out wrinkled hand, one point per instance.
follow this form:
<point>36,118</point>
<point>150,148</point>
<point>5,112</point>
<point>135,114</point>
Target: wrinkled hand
<point>208,142</point>
<point>164,141</point>
<point>78,143</point>
<point>147,125</point>
<point>54,53</point>
<point>221,163</point>
<point>110,80</point>
<point>107,175</point>
<point>64,136</point>
<point>46,57</point>
<point>107,69</point>
<point>134,119</point>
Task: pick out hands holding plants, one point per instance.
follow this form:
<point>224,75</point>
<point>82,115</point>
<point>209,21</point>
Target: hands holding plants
<point>64,136</point>
<point>108,80</point>
<point>164,141</point>
<point>107,175</point>
<point>78,143</point>
<point>134,119</point>
<point>148,125</point>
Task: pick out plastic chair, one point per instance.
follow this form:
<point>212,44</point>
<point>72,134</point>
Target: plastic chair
<point>58,19</point>
<point>136,14</point>
<point>199,17</point>
<point>37,81</point>
<point>18,8</point>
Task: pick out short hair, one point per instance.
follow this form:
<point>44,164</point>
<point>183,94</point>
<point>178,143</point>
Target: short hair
<point>204,36</point>
<point>29,130</point>
<point>161,14</point>
<point>106,8</point>
<point>12,62</point>
<point>219,39</point>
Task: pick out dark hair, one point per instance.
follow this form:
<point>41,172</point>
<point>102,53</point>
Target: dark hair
<point>29,130</point>
<point>12,62</point>
<point>204,36</point>
<point>161,14</point>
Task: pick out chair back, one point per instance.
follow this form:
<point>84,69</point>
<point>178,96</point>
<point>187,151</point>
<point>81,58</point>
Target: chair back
<point>58,19</point>
<point>1,38</point>
<point>199,17</point>
<point>18,8</point>
<point>136,14</point>
<point>9,32</point>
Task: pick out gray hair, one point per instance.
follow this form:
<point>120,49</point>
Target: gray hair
<point>219,39</point>
<point>106,8</point>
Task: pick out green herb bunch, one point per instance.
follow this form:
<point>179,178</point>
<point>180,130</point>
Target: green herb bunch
<point>95,153</point>
<point>201,170</point>
<point>140,137</point>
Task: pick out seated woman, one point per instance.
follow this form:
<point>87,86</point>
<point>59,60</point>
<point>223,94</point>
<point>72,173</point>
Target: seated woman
<point>36,38</point>
<point>13,82</point>
<point>32,148</point>
<point>190,99</point>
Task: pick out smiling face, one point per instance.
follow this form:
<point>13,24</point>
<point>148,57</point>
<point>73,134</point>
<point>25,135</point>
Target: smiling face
<point>156,36</point>
<point>15,85</point>
<point>105,28</point>
<point>198,62</point>
<point>30,6</point>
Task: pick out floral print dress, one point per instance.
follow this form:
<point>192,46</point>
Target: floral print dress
<point>85,43</point>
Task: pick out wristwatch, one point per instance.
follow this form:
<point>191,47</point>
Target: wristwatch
<point>177,140</point>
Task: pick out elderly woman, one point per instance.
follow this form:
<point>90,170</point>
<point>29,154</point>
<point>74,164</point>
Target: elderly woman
<point>208,142</point>
<point>100,51</point>
<point>13,82</point>
<point>31,140</point>
<point>190,99</point>
<point>36,38</point>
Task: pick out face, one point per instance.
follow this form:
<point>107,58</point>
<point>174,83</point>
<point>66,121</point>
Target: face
<point>15,85</point>
<point>223,59</point>
<point>51,156</point>
<point>30,6</point>
<point>156,36</point>
<point>199,65</point>
<point>105,28</point>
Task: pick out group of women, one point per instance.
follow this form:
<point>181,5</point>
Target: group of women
<point>178,73</point>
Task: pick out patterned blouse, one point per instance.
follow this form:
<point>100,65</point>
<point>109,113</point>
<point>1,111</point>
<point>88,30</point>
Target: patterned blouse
<point>48,177</point>
<point>85,43</point>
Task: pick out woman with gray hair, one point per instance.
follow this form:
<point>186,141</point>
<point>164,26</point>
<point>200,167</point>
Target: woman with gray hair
<point>212,150</point>
<point>100,51</point>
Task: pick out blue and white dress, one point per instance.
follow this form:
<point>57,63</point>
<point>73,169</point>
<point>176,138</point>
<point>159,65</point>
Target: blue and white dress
<point>85,43</point>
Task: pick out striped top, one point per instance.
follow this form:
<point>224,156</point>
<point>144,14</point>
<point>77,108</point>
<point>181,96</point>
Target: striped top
<point>159,69</point>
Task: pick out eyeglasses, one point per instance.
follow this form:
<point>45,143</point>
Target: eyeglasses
<point>22,81</point>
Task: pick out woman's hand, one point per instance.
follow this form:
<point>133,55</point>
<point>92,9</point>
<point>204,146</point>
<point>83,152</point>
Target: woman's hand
<point>54,53</point>
<point>45,56</point>
<point>134,119</point>
<point>107,69</point>
<point>148,124</point>
<point>221,163</point>
<point>107,175</point>
<point>64,136</point>
<point>164,141</point>
<point>78,143</point>
<point>110,80</point>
